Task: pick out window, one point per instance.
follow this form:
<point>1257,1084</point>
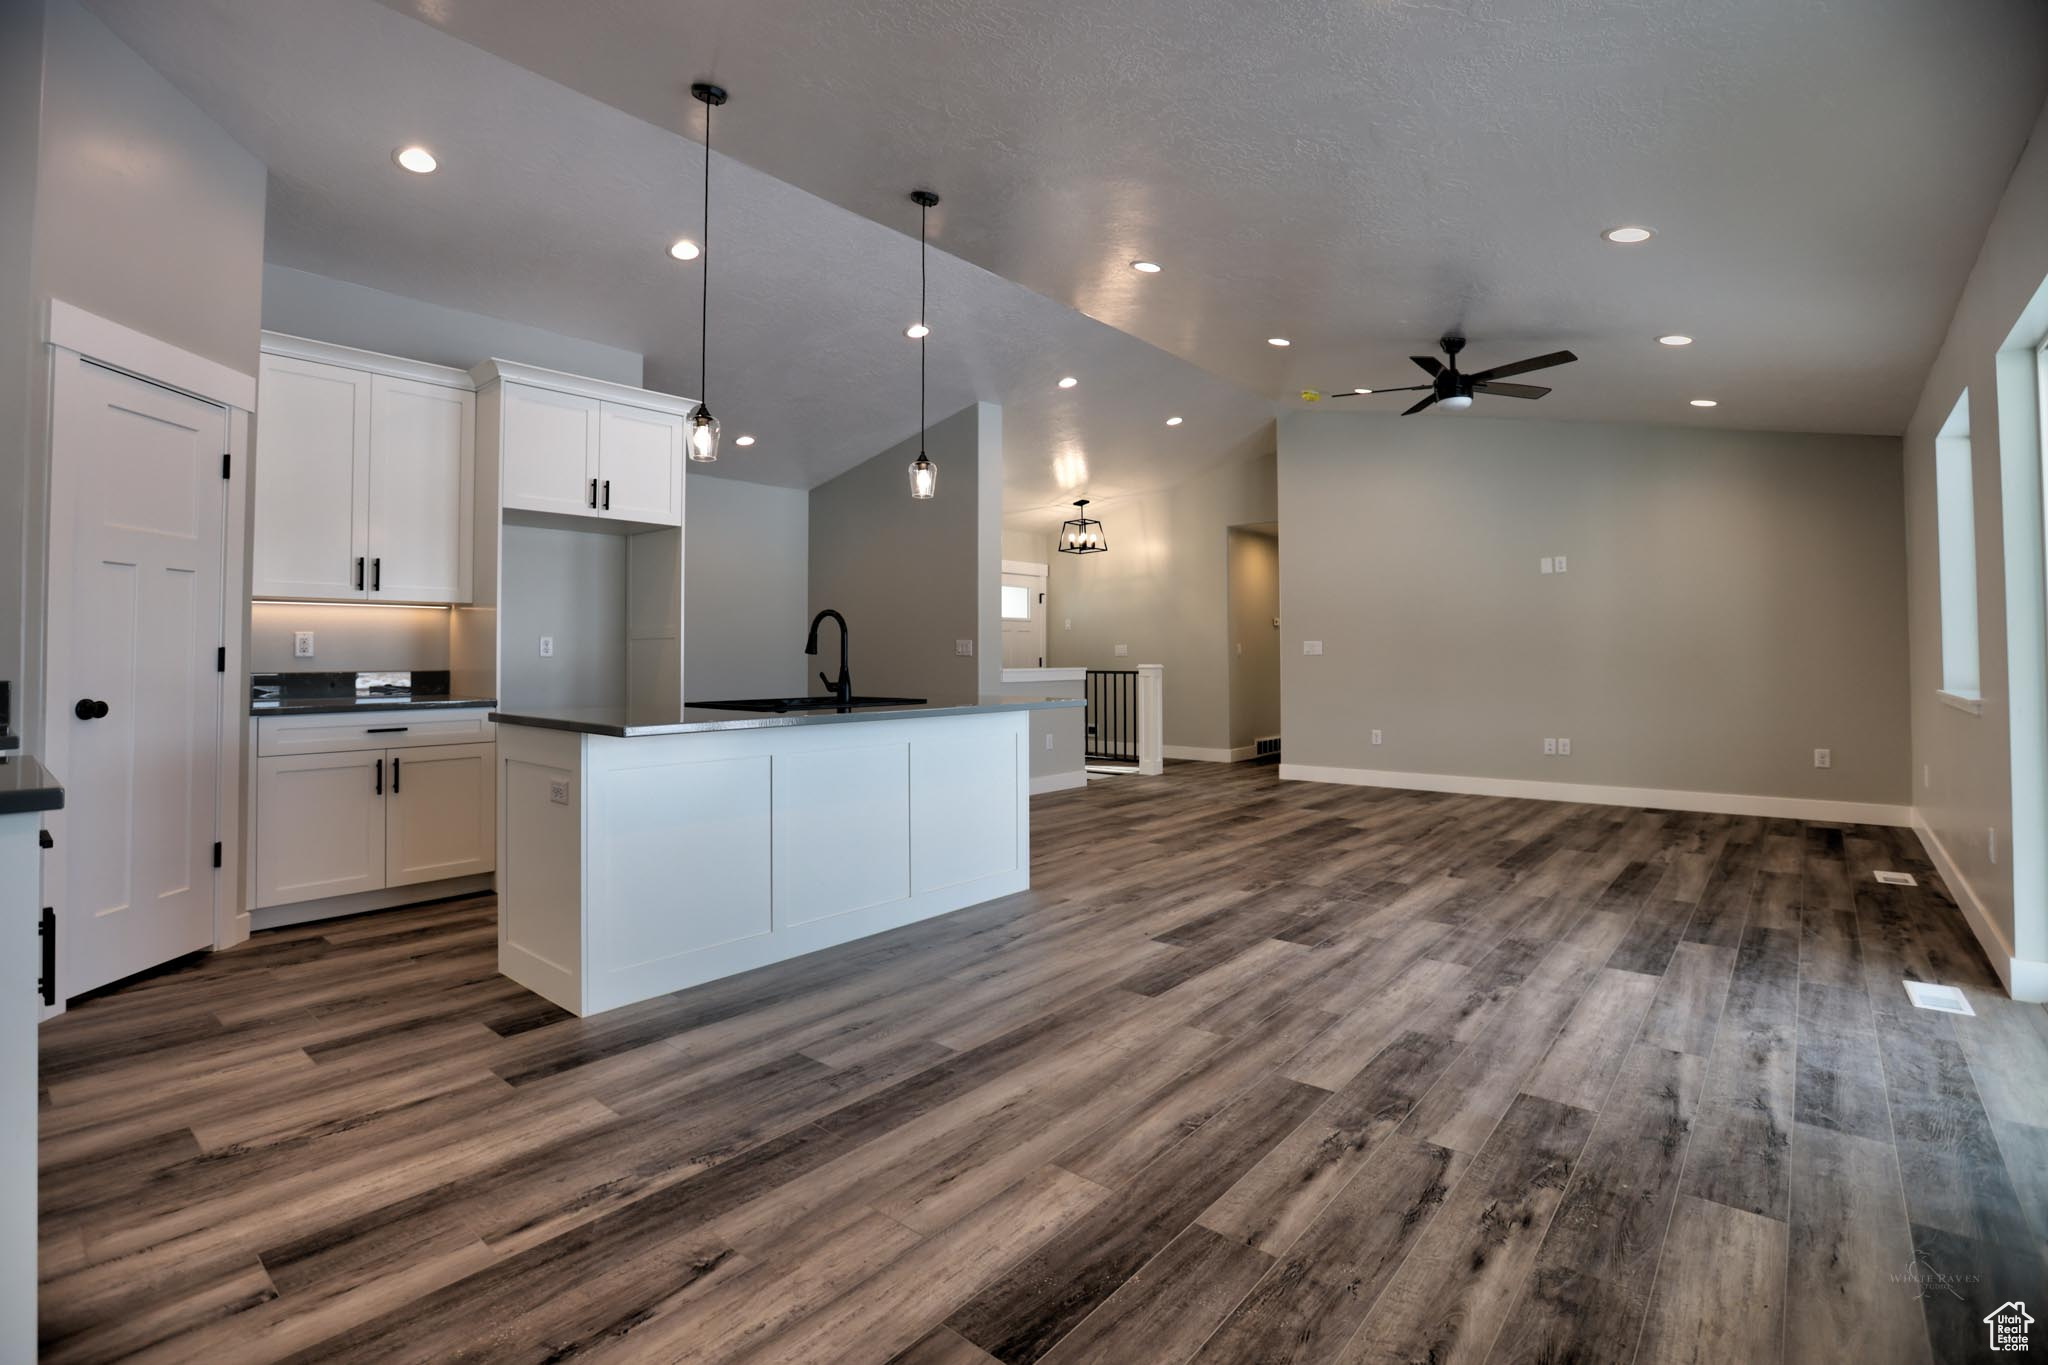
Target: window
<point>1016,603</point>
<point>1956,529</point>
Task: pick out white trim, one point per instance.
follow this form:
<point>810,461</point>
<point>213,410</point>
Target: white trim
<point>1044,675</point>
<point>376,362</point>
<point>361,902</point>
<point>1717,803</point>
<point>1059,782</point>
<point>493,370</point>
<point>1967,702</point>
<point>1195,754</point>
<point>2024,979</point>
<point>235,753</point>
<point>1026,568</point>
<point>142,356</point>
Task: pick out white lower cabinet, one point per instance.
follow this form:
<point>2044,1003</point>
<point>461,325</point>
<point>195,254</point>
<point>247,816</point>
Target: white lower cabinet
<point>336,824</point>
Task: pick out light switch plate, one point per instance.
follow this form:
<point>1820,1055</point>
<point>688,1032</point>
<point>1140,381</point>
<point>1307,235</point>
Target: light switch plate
<point>1311,646</point>
<point>1823,758</point>
<point>1546,565</point>
<point>1123,651</point>
<point>963,647</point>
<point>302,644</point>
<point>1376,737</point>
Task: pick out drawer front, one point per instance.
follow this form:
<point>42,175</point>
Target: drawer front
<point>280,735</point>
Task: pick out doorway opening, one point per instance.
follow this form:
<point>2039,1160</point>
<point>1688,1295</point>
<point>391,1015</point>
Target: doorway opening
<point>1253,613</point>
<point>1023,612</point>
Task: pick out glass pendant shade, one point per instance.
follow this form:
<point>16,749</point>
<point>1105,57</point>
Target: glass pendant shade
<point>703,435</point>
<point>1082,535</point>
<point>924,477</point>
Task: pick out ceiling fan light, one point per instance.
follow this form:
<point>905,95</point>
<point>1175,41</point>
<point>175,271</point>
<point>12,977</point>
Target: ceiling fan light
<point>1457,402</point>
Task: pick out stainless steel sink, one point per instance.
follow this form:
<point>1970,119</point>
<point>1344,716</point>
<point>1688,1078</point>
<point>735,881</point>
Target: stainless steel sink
<point>803,703</point>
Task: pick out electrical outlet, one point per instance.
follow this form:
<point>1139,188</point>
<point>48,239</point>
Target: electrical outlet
<point>547,646</point>
<point>302,644</point>
<point>1066,623</point>
<point>1311,646</point>
<point>1550,746</point>
<point>1991,843</point>
<point>1927,774</point>
<point>1546,565</point>
<point>1376,737</point>
<point>1560,563</point>
<point>1564,747</point>
<point>558,790</point>
<point>1823,758</point>
<point>1123,651</point>
<point>1240,647</point>
<point>963,647</point>
<point>1048,743</point>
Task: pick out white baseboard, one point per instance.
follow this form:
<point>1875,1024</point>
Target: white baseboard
<point>1059,782</point>
<point>2024,978</point>
<point>391,898</point>
<point>1717,803</point>
<point>1193,754</point>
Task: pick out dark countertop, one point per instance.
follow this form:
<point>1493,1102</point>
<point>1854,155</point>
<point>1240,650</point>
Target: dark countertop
<point>26,785</point>
<point>8,742</point>
<point>318,706</point>
<point>617,723</point>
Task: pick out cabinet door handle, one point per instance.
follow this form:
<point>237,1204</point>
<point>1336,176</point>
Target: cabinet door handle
<point>394,775</point>
<point>389,730</point>
<point>593,492</point>
<point>359,573</point>
<point>380,777</point>
<point>607,495</point>
<point>377,575</point>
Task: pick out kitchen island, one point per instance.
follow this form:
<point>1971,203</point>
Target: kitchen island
<point>641,853</point>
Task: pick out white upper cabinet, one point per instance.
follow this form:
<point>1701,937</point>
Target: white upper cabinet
<point>584,448</point>
<point>312,471</point>
<point>550,442</point>
<point>365,476</point>
<point>640,465</point>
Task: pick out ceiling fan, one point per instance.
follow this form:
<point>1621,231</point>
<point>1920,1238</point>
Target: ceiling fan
<point>1455,390</point>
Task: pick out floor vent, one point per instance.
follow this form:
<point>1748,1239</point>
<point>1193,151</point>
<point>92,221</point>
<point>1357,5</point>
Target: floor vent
<point>1896,878</point>
<point>1947,999</point>
<point>1267,746</point>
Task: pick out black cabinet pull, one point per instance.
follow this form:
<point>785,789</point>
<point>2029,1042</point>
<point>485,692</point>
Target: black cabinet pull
<point>388,730</point>
<point>380,777</point>
<point>88,709</point>
<point>593,492</point>
<point>359,573</point>
<point>394,775</point>
<point>377,575</point>
<point>607,495</point>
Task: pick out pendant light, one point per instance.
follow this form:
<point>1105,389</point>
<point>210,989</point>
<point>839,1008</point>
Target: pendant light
<point>703,434</point>
<point>1082,535</point>
<point>924,475</point>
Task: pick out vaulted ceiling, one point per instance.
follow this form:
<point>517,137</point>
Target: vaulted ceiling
<point>1357,177</point>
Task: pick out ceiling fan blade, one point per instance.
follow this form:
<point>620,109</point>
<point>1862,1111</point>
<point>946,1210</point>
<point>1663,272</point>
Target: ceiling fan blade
<point>1406,388</point>
<point>1540,362</point>
<point>1419,406</point>
<point>1511,390</point>
<point>1430,364</point>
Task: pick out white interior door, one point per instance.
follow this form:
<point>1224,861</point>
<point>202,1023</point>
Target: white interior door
<point>1023,615</point>
<point>421,474</point>
<point>136,512</point>
<point>640,465</point>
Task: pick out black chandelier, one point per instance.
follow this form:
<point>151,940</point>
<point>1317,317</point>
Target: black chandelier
<point>1082,535</point>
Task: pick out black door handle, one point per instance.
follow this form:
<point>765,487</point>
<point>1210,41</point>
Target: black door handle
<point>88,709</point>
<point>607,495</point>
<point>394,777</point>
<point>377,575</point>
<point>380,777</point>
<point>593,492</point>
<point>359,573</point>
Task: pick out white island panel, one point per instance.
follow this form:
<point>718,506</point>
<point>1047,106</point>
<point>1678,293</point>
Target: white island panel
<point>967,785</point>
<point>540,868</point>
<point>842,825</point>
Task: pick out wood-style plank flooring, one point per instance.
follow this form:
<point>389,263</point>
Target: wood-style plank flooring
<point>1257,1072</point>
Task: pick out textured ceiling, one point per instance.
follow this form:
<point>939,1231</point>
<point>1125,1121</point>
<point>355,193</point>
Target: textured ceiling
<point>557,210</point>
<point>1359,175</point>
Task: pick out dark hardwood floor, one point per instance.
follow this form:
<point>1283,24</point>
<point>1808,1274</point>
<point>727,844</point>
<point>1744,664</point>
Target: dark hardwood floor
<point>1257,1072</point>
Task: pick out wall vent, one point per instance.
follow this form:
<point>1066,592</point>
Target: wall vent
<point>1267,746</point>
<point>1896,878</point>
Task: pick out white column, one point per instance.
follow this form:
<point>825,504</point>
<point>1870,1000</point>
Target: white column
<point>1151,718</point>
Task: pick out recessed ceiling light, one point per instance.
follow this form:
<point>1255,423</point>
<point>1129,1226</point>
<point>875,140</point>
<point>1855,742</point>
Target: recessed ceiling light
<point>743,441</point>
<point>1706,403</point>
<point>685,250</point>
<point>1173,421</point>
<point>1629,236</point>
<point>416,159</point>
<point>916,330</point>
<point>1675,339</point>
<point>1069,382</point>
<point>1278,341</point>
<point>1145,267</point>
<point>1361,390</point>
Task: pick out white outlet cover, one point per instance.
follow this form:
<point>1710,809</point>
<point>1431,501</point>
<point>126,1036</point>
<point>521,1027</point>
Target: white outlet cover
<point>1067,622</point>
<point>1895,878</point>
<point>1311,646</point>
<point>965,647</point>
<point>1048,741</point>
<point>1123,651</point>
<point>1823,758</point>
<point>558,790</point>
<point>547,646</point>
<point>1947,999</point>
<point>1560,563</point>
<point>1376,737</point>
<point>302,644</point>
<point>1549,746</point>
<point>1564,747</point>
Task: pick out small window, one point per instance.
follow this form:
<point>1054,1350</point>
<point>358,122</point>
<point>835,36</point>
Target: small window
<point>1956,530</point>
<point>1016,603</point>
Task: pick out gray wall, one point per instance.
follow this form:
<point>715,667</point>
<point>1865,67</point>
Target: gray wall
<point>1979,774</point>
<point>1254,641</point>
<point>911,577</point>
<point>347,636</point>
<point>309,305</point>
<point>21,95</point>
<point>145,213</point>
<point>570,586</point>
<point>746,590</point>
<point>1732,602</point>
<point>1163,590</point>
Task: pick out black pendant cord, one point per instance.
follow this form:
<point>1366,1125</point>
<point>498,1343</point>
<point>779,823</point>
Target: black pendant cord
<point>704,276</point>
<point>923,248</point>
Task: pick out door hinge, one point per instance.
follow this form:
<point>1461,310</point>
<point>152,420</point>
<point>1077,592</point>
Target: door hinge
<point>216,853</point>
<point>226,460</point>
<point>47,983</point>
<point>220,659</point>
